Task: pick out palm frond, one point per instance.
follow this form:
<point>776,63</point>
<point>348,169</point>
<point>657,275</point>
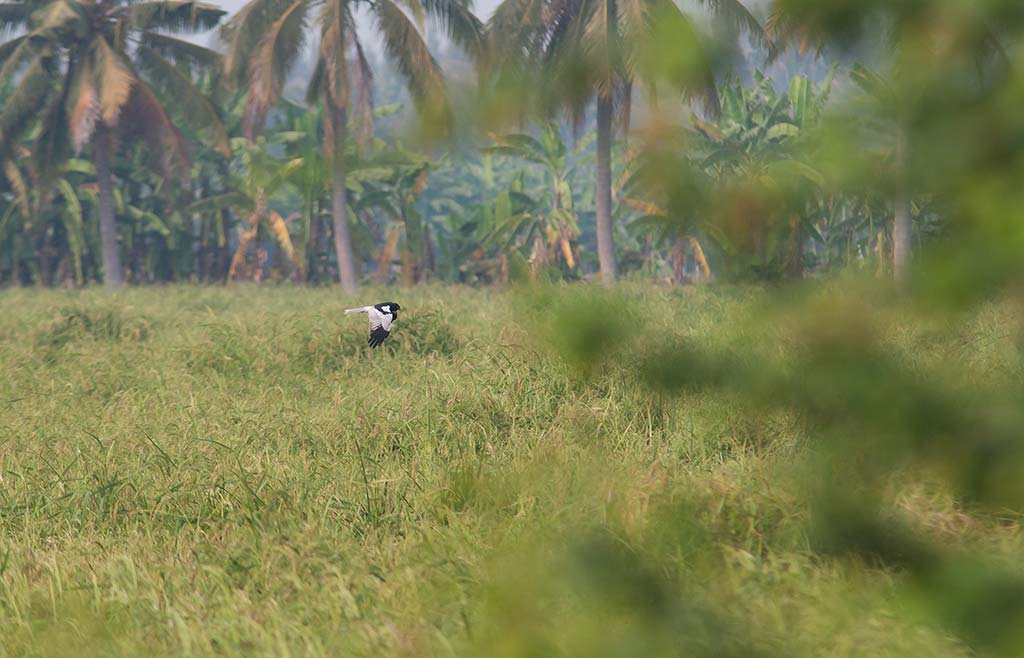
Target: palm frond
<point>361,86</point>
<point>333,73</point>
<point>276,54</point>
<point>8,48</point>
<point>462,27</point>
<point>174,15</point>
<point>146,119</point>
<point>53,145</point>
<point>84,108</point>
<point>16,53</point>
<point>416,10</point>
<point>14,16</point>
<point>516,28</point>
<point>113,78</point>
<point>740,18</point>
<point>243,33</point>
<point>22,107</point>
<point>316,89</point>
<point>601,44</point>
<point>680,61</point>
<point>60,18</point>
<point>785,29</point>
<point>196,108</point>
<point>19,187</point>
<point>180,51</point>
<point>406,47</point>
<point>634,23</point>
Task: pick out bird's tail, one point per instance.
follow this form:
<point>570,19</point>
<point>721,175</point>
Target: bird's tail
<point>349,311</point>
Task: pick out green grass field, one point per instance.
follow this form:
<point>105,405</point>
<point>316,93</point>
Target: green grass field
<point>232,472</point>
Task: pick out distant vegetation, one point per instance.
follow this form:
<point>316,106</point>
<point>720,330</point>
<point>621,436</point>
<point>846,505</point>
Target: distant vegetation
<point>132,154</point>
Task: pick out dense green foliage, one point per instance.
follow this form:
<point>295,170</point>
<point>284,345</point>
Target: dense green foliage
<point>205,472</point>
<point>459,212</point>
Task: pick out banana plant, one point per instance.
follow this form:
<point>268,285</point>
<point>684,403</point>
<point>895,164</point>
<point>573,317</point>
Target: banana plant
<point>550,226</point>
<point>408,234</point>
<point>643,204</point>
<point>44,214</point>
<point>299,135</point>
<point>766,193</point>
<point>257,173</point>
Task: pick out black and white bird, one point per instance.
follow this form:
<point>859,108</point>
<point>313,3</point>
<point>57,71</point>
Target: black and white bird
<point>381,317</point>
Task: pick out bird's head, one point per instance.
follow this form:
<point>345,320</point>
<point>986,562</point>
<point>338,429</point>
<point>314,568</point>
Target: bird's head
<point>395,308</point>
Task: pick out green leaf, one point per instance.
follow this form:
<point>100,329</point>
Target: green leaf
<point>800,97</point>
<point>228,201</point>
<point>79,166</point>
<point>782,130</point>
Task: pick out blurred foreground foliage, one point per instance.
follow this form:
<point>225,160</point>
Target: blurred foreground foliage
<point>882,428</point>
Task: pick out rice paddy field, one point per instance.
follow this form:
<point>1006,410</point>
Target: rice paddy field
<point>191,471</point>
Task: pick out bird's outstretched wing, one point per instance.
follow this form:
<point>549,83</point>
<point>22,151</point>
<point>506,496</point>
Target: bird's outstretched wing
<point>380,326</point>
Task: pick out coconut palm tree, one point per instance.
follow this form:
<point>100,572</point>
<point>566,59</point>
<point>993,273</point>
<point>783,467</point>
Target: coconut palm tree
<point>598,49</point>
<point>93,72</point>
<point>264,42</point>
<point>925,50</point>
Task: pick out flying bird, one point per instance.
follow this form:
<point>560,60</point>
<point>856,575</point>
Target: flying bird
<point>381,317</point>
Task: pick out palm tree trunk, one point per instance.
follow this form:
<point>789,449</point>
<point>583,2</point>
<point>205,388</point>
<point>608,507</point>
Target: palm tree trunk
<point>342,240</point>
<point>605,236</point>
<point>113,276</point>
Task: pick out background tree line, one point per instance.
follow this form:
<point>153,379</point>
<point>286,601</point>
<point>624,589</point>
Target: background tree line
<point>130,153</point>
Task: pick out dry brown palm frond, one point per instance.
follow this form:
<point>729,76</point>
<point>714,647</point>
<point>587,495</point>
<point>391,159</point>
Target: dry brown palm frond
<point>21,193</point>
<point>361,87</point>
<point>85,110</point>
<point>194,105</point>
<point>332,54</point>
<point>239,257</point>
<point>147,119</point>
<point>279,229</point>
<point>114,79</point>
<point>698,253</point>
<point>567,253</point>
<point>645,207</point>
<point>278,49</point>
<point>405,46</point>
